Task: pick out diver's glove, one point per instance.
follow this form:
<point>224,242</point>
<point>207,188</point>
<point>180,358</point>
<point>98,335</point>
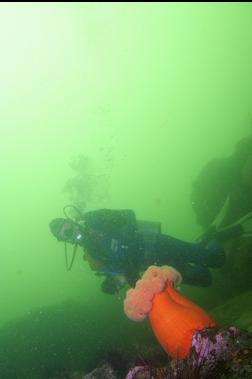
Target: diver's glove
<point>112,284</point>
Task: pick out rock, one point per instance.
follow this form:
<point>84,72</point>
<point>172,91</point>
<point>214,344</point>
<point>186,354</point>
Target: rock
<point>236,312</point>
<point>103,372</point>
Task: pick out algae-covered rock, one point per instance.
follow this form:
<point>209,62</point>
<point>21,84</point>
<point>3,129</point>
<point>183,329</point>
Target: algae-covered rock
<point>237,312</point>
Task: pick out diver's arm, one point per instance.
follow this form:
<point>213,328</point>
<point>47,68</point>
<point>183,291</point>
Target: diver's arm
<point>131,268</point>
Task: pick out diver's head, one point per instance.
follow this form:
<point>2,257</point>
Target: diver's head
<point>66,230</point>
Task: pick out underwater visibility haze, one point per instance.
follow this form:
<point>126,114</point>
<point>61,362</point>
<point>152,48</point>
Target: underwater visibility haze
<point>110,105</point>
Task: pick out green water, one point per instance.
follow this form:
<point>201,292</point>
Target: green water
<point>149,93</point>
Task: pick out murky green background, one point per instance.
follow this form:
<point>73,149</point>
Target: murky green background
<point>148,92</point>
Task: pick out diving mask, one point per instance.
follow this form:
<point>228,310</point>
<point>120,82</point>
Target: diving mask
<point>66,230</point>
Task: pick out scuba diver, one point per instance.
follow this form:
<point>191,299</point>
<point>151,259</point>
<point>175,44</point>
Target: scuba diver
<point>223,180</point>
<point>120,247</point>
<point>226,183</point>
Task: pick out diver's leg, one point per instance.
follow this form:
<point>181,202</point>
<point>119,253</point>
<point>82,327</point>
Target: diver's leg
<point>170,248</point>
<point>160,249</point>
